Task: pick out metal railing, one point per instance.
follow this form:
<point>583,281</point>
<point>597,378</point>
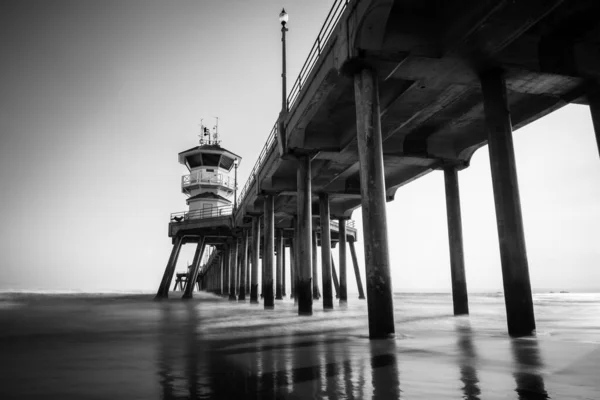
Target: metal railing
<point>212,212</point>
<point>349,224</point>
<point>206,178</point>
<point>337,9</point>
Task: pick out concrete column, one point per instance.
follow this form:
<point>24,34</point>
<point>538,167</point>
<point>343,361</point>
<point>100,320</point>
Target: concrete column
<point>219,274</point>
<point>336,283</point>
<point>283,263</point>
<point>315,278</point>
<point>293,268</point>
<point>361,293</point>
<point>244,266</point>
<point>594,101</point>
<point>372,188</point>
<point>460,297</point>
<point>513,254</point>
<point>255,254</point>
<point>325,251</point>
<point>226,269</point>
<point>304,248</point>
<point>269,250</point>
<point>165,283</point>
<point>342,253</point>
<point>193,273</point>
<point>232,269</point>
<point>248,263</point>
<point>279,269</point>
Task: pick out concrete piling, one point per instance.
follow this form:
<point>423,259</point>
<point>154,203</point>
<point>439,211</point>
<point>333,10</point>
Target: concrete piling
<point>165,283</point>
<point>255,254</point>
<point>513,254</point>
<point>372,188</point>
<point>325,251</point>
<point>315,284</point>
<point>268,253</point>
<point>279,264</point>
<point>342,254</point>
<point>460,297</point>
<point>193,272</point>
<point>361,292</point>
<point>232,269</point>
<point>244,266</point>
<point>304,232</point>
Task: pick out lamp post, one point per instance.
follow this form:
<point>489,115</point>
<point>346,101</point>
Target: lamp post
<point>283,18</point>
<point>235,164</point>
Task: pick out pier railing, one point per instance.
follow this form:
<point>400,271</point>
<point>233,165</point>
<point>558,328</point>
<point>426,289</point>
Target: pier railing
<point>212,212</point>
<point>336,11</point>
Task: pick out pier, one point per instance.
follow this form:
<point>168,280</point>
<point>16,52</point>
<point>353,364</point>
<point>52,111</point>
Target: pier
<point>390,91</point>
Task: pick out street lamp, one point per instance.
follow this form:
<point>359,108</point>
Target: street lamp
<point>235,164</point>
<point>283,18</point>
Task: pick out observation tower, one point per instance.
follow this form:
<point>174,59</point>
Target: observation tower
<point>211,190</point>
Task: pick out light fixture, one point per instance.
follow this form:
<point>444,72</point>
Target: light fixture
<point>283,17</point>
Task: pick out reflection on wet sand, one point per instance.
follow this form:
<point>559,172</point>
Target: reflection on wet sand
<point>528,366</point>
<point>467,360</point>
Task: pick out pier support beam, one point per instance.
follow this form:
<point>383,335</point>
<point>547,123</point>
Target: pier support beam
<point>255,254</point>
<point>304,232</point>
<point>165,283</point>
<point>325,251</point>
<point>361,292</point>
<point>336,283</point>
<point>244,266</point>
<point>232,269</point>
<point>594,102</point>
<point>372,189</point>
<point>315,284</point>
<point>513,254</point>
<point>193,272</point>
<point>293,269</point>
<point>283,262</point>
<point>460,297</point>
<point>342,253</point>
<point>279,265</point>
<point>269,249</point>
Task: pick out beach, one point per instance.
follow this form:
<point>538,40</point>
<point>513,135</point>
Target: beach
<point>100,346</point>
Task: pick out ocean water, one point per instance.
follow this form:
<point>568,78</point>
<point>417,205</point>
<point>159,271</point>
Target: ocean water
<point>113,346</point>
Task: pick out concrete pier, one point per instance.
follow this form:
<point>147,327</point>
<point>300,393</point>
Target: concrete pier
<point>304,233</point>
<point>315,284</point>
<point>293,270</point>
<point>515,269</point>
<point>372,190</point>
<point>226,268</point>
<point>342,254</point>
<point>325,250</point>
<point>195,268</point>
<point>283,273</point>
<point>233,269</point>
<point>361,292</point>
<point>336,282</point>
<point>279,264</point>
<point>268,253</point>
<point>594,101</point>
<point>165,283</point>
<point>460,297</point>
<point>244,266</point>
<point>255,255</point>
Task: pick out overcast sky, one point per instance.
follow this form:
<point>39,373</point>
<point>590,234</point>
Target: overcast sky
<point>98,97</point>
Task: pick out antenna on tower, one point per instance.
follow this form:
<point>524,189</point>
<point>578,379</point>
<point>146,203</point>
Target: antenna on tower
<point>216,140</point>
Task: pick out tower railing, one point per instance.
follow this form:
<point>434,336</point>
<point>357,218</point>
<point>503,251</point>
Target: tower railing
<point>336,11</point>
<point>206,178</point>
<point>211,212</point>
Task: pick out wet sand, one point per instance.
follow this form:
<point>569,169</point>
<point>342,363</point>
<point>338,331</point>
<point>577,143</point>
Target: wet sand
<point>108,346</point>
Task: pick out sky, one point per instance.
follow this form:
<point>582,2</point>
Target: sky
<point>97,98</point>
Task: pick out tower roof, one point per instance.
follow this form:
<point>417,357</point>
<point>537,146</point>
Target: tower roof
<point>209,155</point>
